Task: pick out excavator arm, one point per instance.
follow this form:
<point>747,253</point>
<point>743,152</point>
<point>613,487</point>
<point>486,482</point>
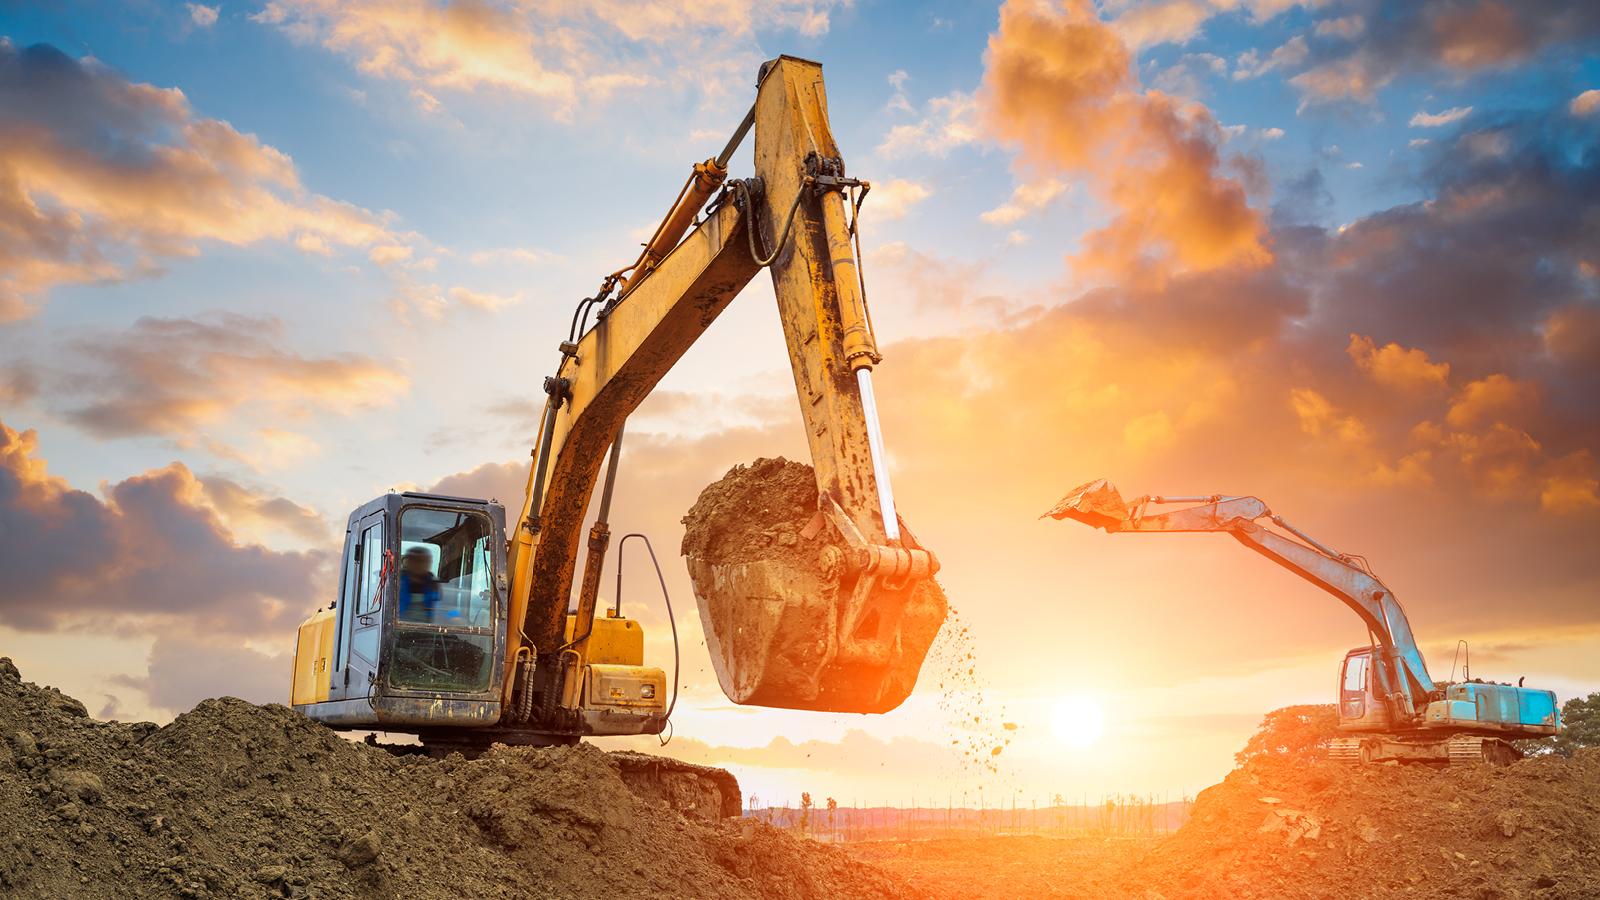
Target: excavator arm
<point>792,218</point>
<point>1098,504</point>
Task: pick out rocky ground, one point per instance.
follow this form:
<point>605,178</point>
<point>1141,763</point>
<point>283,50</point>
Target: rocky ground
<point>237,800</point>
<point>1297,828</point>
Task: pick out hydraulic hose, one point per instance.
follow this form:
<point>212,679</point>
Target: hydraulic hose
<point>671,617</point>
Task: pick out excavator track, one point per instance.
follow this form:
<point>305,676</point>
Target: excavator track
<point>1473,750</point>
<point>1345,750</point>
<point>1466,750</point>
<point>699,792</point>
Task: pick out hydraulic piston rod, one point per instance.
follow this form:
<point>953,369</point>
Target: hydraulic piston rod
<point>880,466</point>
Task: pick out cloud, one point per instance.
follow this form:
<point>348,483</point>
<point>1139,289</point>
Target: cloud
<point>1188,76</point>
<point>1435,120</point>
<point>102,179</point>
<point>483,299</point>
<point>1025,199</point>
<point>252,510</point>
<point>1167,21</point>
<point>149,555</point>
<point>1458,37</point>
<point>183,670</point>
<point>177,377</point>
<point>201,15</point>
<point>566,55</point>
<point>524,255</point>
<point>893,199</point>
<point>1145,24</point>
<point>1344,27</point>
<point>1289,55</point>
<point>1060,87</point>
<point>947,124</point>
<point>1586,103</point>
<point>1405,368</point>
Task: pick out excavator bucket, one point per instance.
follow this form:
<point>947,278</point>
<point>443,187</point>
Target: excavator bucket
<point>797,612</point>
<point>1096,504</point>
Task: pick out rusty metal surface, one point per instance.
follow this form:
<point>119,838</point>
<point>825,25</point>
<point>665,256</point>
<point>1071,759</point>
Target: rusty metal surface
<point>778,636</point>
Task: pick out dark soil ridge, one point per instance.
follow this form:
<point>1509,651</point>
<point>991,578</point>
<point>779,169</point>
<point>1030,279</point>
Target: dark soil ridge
<point>237,800</point>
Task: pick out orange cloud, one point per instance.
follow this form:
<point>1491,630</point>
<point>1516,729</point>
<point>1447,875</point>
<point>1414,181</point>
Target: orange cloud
<point>79,206</point>
<point>1496,396</point>
<point>562,53</point>
<point>1061,87</point>
<point>1406,368</point>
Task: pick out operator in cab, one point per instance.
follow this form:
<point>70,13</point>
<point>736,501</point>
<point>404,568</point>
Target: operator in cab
<point>419,589</point>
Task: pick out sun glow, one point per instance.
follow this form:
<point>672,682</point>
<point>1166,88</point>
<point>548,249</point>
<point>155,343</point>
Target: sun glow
<point>1077,721</point>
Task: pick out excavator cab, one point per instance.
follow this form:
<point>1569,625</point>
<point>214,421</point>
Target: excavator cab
<point>416,633</point>
<point>416,640</point>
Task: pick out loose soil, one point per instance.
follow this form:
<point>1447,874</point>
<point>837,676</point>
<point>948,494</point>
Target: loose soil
<point>237,800</point>
<point>755,512</point>
<point>1295,828</point>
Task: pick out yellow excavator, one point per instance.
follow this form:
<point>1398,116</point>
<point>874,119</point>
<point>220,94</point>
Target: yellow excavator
<point>449,627</point>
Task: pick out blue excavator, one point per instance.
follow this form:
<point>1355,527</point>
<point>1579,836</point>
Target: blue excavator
<point>1390,708</point>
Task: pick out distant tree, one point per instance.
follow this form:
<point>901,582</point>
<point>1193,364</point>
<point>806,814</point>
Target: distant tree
<point>1580,727</point>
<point>833,806</point>
<point>1292,731</point>
<point>805,812</point>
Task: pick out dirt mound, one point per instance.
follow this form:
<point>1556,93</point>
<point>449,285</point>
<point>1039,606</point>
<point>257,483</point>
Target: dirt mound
<point>754,512</point>
<point>237,800</point>
<point>1286,827</point>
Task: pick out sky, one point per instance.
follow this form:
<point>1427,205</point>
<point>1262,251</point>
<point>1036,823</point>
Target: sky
<point>263,261</point>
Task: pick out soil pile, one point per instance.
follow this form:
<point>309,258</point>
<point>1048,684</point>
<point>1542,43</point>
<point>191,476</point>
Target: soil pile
<point>237,800</point>
<point>755,512</point>
<point>1288,827</point>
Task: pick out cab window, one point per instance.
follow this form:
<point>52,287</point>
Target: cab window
<point>1355,673</point>
<point>444,617</point>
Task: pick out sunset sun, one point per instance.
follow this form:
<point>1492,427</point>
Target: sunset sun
<point>1077,721</point>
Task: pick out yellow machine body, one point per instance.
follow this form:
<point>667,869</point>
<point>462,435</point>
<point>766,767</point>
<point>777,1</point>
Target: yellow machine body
<point>614,640</point>
<point>313,651</point>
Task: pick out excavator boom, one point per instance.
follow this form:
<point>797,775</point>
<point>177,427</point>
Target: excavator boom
<point>791,217</point>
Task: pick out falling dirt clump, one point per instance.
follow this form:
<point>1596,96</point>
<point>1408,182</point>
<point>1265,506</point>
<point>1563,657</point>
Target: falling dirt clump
<point>975,726</point>
<point>1293,828</point>
<point>755,512</point>
<point>237,800</point>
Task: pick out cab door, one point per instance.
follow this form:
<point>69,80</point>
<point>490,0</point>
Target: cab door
<point>370,570</point>
<point>1361,707</point>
